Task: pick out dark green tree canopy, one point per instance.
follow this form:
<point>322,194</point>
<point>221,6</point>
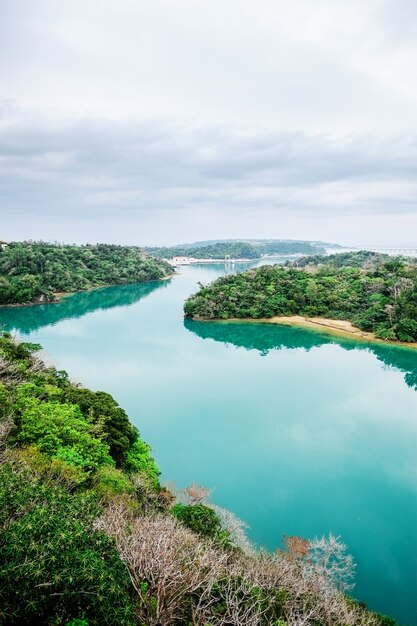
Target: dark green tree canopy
<point>35,272</point>
<point>375,293</point>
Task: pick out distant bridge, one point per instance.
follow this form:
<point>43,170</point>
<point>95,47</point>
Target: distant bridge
<point>390,251</point>
<point>395,251</point>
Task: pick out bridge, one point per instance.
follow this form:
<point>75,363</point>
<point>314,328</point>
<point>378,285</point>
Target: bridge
<point>391,251</point>
<point>395,251</point>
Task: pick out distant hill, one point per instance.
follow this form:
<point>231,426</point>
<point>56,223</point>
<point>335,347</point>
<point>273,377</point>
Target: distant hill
<point>210,242</point>
<point>241,248</point>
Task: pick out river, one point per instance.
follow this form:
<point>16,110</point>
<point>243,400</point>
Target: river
<point>297,432</point>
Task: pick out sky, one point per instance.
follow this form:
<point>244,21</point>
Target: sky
<point>170,121</point>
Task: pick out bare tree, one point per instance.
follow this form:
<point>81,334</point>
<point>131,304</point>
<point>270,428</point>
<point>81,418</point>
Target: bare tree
<point>180,577</point>
<point>328,557</point>
<point>197,493</point>
<point>390,311</point>
<point>166,562</point>
<point>401,285</point>
<point>235,526</point>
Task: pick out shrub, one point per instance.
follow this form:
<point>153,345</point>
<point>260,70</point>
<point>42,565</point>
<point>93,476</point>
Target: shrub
<point>139,459</point>
<point>51,471</point>
<point>55,565</point>
<point>406,329</point>
<point>199,518</point>
<point>59,430</point>
<point>101,409</point>
<point>110,481</point>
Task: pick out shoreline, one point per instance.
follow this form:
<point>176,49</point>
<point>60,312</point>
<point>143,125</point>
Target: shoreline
<point>341,328</point>
<point>60,295</point>
<point>194,261</point>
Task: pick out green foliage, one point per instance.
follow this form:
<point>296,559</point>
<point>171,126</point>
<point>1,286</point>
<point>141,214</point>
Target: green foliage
<point>5,403</point>
<point>34,272</point>
<point>59,569</point>
<point>406,329</point>
<point>79,427</point>
<point>139,459</point>
<point>110,482</point>
<point>344,259</point>
<point>17,351</point>
<point>51,471</point>
<point>203,520</point>
<point>376,293</point>
<point>100,409</point>
<point>55,566</point>
<point>58,430</point>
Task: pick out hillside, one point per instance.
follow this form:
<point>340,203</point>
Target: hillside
<point>236,249</point>
<point>35,272</point>
<point>88,536</point>
<point>209,242</point>
<point>376,293</point>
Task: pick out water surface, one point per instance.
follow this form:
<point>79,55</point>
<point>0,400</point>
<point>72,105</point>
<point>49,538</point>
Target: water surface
<point>297,432</point>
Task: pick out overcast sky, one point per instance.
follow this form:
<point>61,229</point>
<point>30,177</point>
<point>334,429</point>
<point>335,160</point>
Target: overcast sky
<point>168,121</point>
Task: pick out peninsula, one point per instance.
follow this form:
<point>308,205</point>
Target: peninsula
<point>353,293</point>
<point>37,272</point>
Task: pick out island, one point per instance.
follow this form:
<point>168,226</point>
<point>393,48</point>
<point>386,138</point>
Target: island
<point>366,294</point>
<point>38,272</point>
<point>89,536</point>
<point>240,250</point>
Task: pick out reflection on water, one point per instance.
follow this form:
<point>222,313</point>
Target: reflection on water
<point>26,319</point>
<point>330,436</point>
<point>266,337</point>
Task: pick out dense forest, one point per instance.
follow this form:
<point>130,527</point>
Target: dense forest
<point>376,293</point>
<point>34,272</point>
<point>238,249</point>
<point>88,536</point>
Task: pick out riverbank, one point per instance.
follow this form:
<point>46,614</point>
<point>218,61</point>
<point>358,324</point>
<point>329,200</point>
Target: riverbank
<point>341,328</point>
<point>184,261</point>
<point>60,295</point>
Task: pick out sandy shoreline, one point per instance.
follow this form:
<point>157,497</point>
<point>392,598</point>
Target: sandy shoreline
<point>341,328</point>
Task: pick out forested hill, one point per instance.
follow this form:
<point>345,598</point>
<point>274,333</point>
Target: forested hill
<point>34,272</point>
<point>238,249</point>
<point>88,537</point>
<point>375,292</point>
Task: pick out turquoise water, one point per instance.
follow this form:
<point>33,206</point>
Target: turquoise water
<point>296,432</point>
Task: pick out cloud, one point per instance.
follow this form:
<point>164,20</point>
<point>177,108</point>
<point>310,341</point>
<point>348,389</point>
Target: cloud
<point>156,122</point>
<point>98,169</point>
<point>330,65</point>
